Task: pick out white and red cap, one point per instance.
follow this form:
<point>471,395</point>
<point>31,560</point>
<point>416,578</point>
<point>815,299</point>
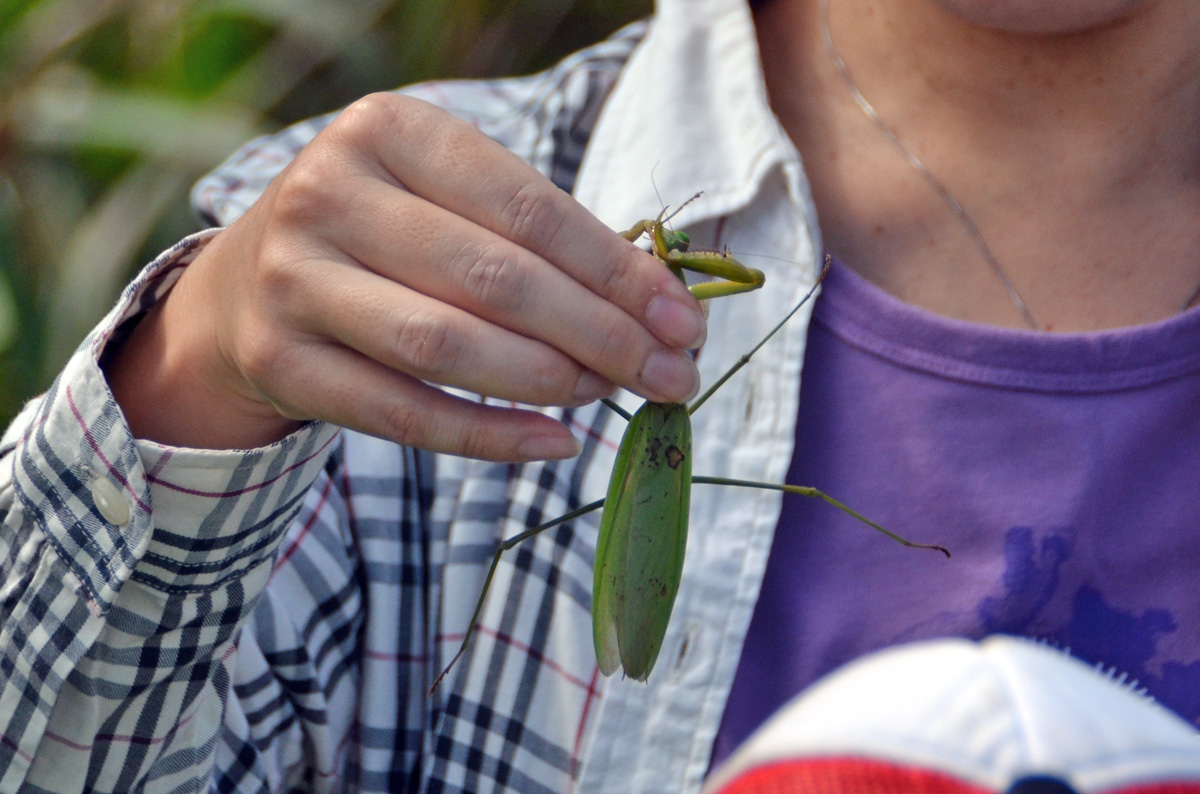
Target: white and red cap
<point>1001,716</point>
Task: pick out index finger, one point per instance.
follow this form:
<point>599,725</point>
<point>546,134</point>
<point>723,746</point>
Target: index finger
<point>450,163</point>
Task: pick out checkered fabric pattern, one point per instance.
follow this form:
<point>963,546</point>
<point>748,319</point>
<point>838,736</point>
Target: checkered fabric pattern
<point>278,628</point>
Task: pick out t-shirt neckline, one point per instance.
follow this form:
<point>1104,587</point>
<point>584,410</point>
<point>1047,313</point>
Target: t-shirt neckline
<point>866,316</point>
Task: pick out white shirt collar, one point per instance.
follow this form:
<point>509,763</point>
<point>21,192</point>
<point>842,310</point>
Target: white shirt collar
<point>692,108</point>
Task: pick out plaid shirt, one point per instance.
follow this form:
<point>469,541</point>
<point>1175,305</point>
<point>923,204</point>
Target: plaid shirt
<point>270,620</point>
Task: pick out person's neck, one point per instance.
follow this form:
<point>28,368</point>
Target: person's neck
<point>1049,140</point>
<point>1106,101</point>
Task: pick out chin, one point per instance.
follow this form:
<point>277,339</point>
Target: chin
<point>1043,17</point>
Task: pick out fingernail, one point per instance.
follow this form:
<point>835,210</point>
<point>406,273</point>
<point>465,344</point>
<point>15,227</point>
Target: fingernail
<point>676,322</point>
<point>672,375</point>
<point>549,447</point>
<point>591,387</point>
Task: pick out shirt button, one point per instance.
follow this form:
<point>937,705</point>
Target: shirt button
<point>109,502</point>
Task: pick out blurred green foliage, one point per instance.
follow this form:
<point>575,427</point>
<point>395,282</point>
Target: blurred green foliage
<point>110,109</point>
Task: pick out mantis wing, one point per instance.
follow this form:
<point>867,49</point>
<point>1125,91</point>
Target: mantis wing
<point>643,535</point>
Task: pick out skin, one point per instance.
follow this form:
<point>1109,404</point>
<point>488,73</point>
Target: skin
<point>380,258</point>
<point>1067,129</point>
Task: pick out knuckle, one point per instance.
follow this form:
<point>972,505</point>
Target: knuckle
<point>534,215</point>
<point>620,272</point>
<point>365,115</point>
<point>426,344</point>
<point>263,358</point>
<point>550,378</point>
<point>612,347</point>
<point>407,425</point>
<point>277,279</point>
<point>474,441</point>
<point>367,121</point>
<point>551,381</point>
<point>495,279</point>
<point>303,195</point>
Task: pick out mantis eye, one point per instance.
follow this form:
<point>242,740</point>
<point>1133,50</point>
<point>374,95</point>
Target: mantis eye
<point>677,241</point>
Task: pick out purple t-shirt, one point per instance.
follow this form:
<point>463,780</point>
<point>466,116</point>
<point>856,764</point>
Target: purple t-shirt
<point>1062,470</point>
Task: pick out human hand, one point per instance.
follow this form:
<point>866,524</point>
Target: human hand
<point>402,246</point>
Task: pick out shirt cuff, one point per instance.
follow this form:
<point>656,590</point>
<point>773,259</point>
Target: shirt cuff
<point>117,508</point>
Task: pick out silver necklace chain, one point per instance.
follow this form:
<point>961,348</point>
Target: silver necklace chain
<point>933,181</point>
<point>958,209</point>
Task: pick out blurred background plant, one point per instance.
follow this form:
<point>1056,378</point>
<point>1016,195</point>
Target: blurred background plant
<point>110,109</point>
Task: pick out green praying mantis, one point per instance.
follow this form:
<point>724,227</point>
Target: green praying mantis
<point>644,524</point>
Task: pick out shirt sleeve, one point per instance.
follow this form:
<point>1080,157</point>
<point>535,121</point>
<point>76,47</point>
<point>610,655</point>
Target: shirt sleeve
<point>126,571</point>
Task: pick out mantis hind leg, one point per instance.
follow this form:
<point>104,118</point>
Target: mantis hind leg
<point>487,582</point>
<point>813,493</point>
<point>511,543</point>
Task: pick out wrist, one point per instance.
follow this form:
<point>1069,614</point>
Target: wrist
<point>175,388</point>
